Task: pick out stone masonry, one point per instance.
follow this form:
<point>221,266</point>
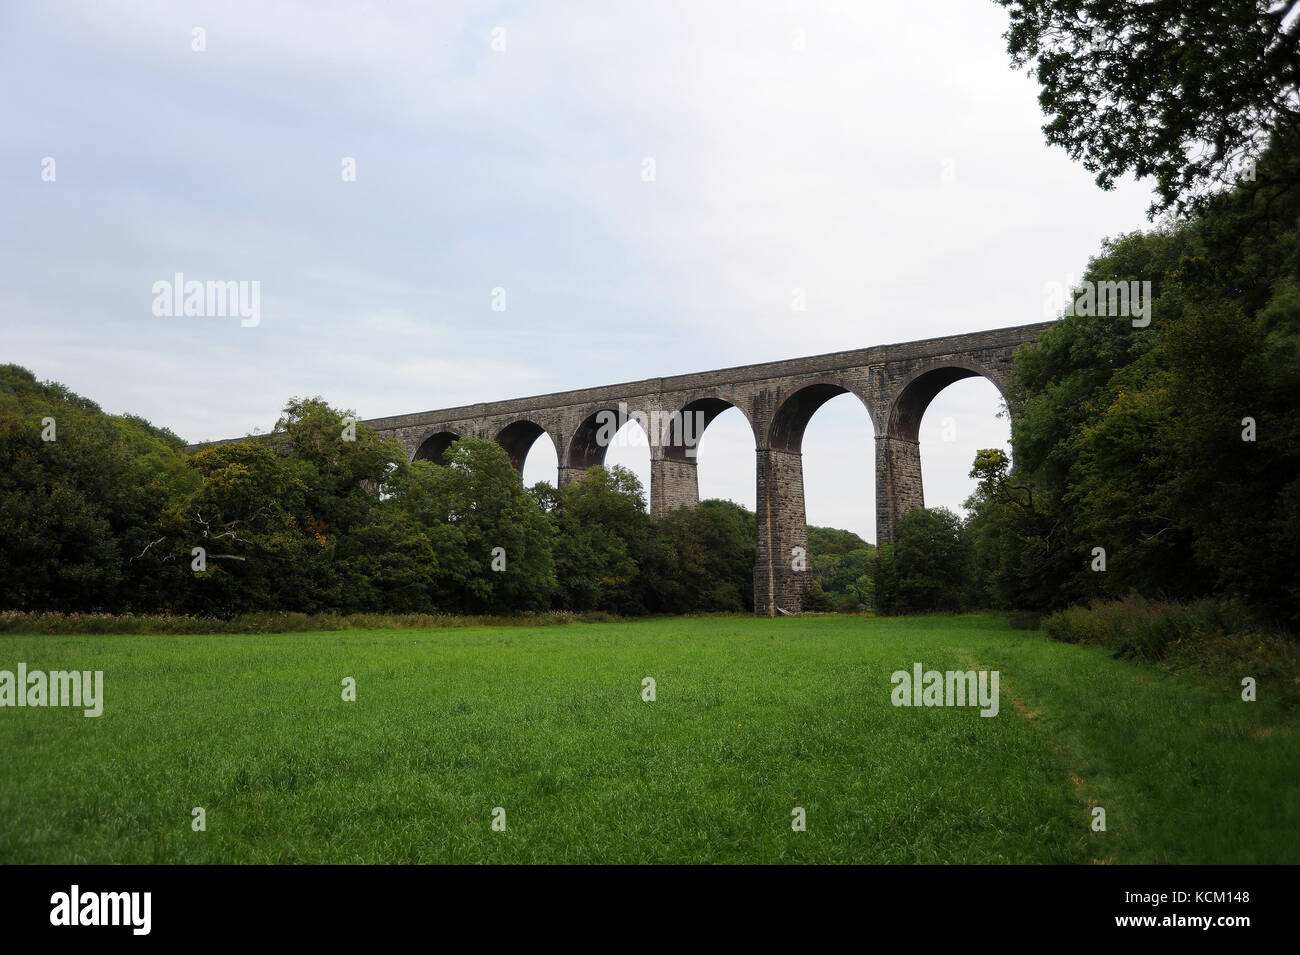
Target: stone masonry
<point>895,382</point>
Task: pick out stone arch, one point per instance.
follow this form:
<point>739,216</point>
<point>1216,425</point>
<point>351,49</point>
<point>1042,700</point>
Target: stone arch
<point>781,567</point>
<point>899,487</point>
<point>674,476</point>
<point>919,388</point>
<point>434,446</point>
<point>587,446</point>
<point>518,438</point>
<point>694,415</point>
<point>796,406</point>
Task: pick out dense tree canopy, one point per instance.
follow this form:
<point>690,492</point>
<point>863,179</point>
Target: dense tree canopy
<point>107,513</point>
<point>927,568</point>
<point>1175,448</point>
<point>81,493</point>
<point>1188,94</point>
<point>841,563</point>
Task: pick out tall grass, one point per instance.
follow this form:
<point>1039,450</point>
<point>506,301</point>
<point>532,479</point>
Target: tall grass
<point>753,719</point>
<point>1209,636</point>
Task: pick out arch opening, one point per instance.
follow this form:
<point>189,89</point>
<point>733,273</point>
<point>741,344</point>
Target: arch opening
<point>962,419</point>
<point>899,459</point>
<point>839,467</point>
<point>434,447</point>
<point>729,473</point>
<point>630,448</point>
<point>542,463</point>
<point>791,419</point>
<point>682,432</point>
<point>785,573</point>
<point>591,439</point>
<point>517,439</point>
<point>910,405</point>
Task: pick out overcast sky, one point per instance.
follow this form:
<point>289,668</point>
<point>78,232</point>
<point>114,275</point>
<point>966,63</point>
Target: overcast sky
<point>881,156</point>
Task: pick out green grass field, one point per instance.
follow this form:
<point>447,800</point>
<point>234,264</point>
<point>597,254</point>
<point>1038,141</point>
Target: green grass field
<point>752,718</point>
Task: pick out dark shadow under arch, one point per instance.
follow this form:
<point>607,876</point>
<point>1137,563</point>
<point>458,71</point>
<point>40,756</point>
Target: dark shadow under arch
<point>518,438</point>
<point>585,448</point>
<point>435,446</point>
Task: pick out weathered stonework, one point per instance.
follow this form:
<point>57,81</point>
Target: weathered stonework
<point>898,482</point>
<point>781,561</point>
<point>895,382</point>
<point>673,484</point>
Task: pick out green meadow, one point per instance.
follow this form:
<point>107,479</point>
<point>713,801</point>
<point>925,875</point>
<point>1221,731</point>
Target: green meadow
<point>753,719</point>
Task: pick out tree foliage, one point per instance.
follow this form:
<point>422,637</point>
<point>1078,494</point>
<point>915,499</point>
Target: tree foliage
<point>841,563</point>
<point>81,493</point>
<point>325,515</point>
<point>928,567</point>
<point>1175,447</point>
<point>1188,94</point>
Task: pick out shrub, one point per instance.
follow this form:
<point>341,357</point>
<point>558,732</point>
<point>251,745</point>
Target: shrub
<point>1215,638</point>
<point>1025,620</point>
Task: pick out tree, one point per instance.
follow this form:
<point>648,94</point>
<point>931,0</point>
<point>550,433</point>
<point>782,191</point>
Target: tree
<point>1185,93</point>
<point>81,493</point>
<point>342,460</point>
<point>248,518</point>
<point>1174,447</point>
<point>712,565</point>
<point>932,561</point>
<point>493,544</point>
<point>602,527</point>
<point>884,582</point>
<point>841,564</point>
<point>1020,551</point>
<point>391,562</point>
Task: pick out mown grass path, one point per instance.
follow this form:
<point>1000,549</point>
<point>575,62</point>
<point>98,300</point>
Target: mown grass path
<point>752,719</point>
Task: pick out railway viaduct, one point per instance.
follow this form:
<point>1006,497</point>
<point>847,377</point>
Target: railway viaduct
<point>895,382</point>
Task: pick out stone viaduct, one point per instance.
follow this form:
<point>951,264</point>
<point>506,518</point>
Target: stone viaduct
<point>895,382</point>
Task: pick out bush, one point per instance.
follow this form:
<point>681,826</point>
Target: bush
<point>1215,638</point>
<point>1025,620</point>
<point>815,599</point>
<point>849,603</point>
<point>1135,628</point>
